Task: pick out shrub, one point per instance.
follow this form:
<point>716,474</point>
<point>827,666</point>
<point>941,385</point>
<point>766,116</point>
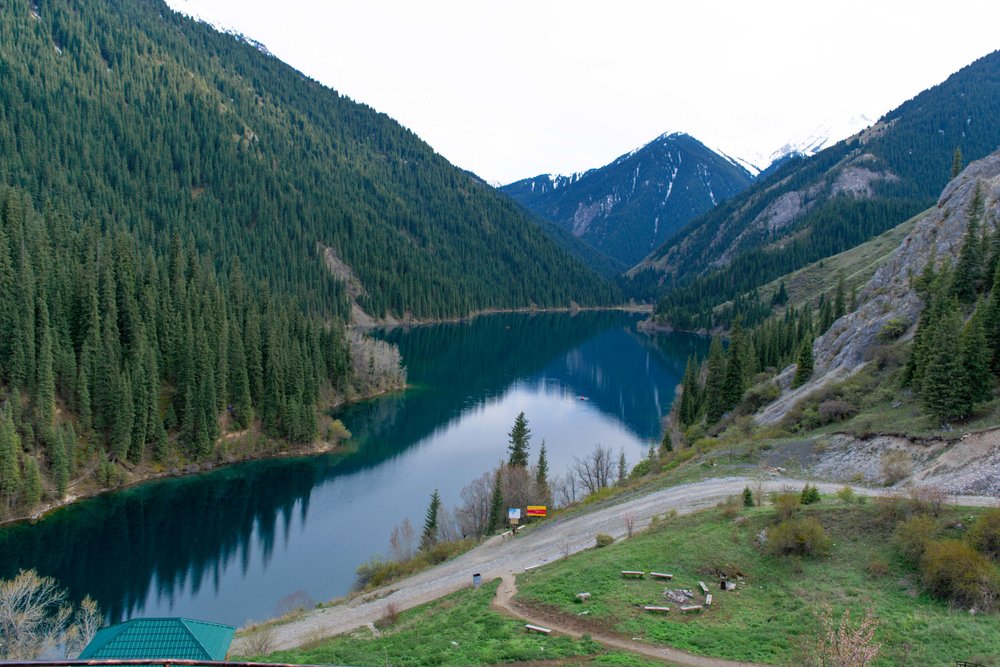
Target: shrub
<point>730,507</point>
<point>801,537</point>
<point>847,495</point>
<point>892,330</point>
<point>895,466</point>
<point>786,504</point>
<point>954,571</point>
<point>835,411</point>
<point>927,499</point>
<point>877,567</point>
<point>984,536</point>
<point>810,495</point>
<point>747,497</point>
<point>603,539</point>
<point>913,535</point>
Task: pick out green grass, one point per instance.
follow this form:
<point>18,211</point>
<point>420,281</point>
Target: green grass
<point>460,629</point>
<point>773,619</point>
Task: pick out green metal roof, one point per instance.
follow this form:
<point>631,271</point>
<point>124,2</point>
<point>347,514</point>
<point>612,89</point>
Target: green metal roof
<point>177,638</point>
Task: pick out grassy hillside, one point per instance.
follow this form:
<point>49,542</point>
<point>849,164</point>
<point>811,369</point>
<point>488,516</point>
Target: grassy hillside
<point>772,618</point>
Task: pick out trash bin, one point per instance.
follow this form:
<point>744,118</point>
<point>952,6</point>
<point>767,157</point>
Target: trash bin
<point>476,580</point>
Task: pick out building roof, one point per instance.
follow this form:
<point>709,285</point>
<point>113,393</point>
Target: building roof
<point>177,638</point>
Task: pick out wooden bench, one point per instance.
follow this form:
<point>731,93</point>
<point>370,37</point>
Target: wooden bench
<point>708,600</point>
<point>633,573</point>
<point>537,628</point>
<point>704,588</point>
<point>662,610</point>
<point>661,575</point>
<point>691,608</point>
<point>583,597</point>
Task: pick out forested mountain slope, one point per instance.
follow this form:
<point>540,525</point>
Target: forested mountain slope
<point>134,117</point>
<point>626,208</point>
<point>815,207</point>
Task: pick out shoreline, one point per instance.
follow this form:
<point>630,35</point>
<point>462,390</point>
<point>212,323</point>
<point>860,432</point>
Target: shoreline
<point>280,450</point>
<point>392,323</point>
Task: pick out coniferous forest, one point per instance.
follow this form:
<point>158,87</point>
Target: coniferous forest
<point>172,198</point>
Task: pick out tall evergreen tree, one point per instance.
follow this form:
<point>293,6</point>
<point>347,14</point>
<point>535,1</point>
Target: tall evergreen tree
<point>430,535</point>
<point>735,379</point>
<point>804,368</point>
<point>956,162</point>
<point>542,471</point>
<point>966,277</point>
<point>715,382</point>
<point>496,516</point>
<point>944,378</point>
<point>10,457</point>
<point>978,384</point>
<point>520,436</point>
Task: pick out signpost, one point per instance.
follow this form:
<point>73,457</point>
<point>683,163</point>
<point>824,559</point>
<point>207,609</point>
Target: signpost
<point>514,515</point>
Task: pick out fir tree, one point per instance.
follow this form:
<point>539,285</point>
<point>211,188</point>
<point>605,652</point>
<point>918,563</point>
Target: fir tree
<point>970,259</point>
<point>690,407</point>
<point>956,162</point>
<point>32,482</point>
<point>430,535</point>
<point>622,468</point>
<point>804,369</point>
<point>747,497</point>
<point>735,380</point>
<point>978,384</point>
<point>944,376</point>
<point>715,382</point>
<point>520,436</point>
<point>542,471</point>
<point>496,516</point>
<point>58,460</point>
<point>10,456</point>
<point>666,444</point>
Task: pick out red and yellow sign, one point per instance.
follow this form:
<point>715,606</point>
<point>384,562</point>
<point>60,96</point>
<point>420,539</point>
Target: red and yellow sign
<point>536,510</point>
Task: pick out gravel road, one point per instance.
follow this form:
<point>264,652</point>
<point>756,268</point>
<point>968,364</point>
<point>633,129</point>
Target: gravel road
<point>548,542</point>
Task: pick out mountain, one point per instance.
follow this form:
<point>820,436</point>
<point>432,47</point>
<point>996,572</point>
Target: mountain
<point>150,121</point>
<point>810,208</point>
<point>632,205</point>
<point>828,132</point>
<point>186,224</point>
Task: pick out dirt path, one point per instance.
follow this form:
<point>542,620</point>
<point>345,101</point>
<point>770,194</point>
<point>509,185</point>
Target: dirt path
<point>548,542</point>
<point>504,603</point>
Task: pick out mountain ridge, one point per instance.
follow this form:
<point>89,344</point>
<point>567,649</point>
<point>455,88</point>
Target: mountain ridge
<point>637,200</point>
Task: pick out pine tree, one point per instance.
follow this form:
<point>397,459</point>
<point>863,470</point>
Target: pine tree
<point>970,259</point>
<point>839,301</point>
<point>735,382</point>
<point>542,472</point>
<point>666,444</point>
<point>10,456</point>
<point>45,384</point>
<point>747,497</point>
<point>804,370</point>
<point>780,297</point>
<point>59,460</point>
<point>520,436</point>
<point>956,162</point>
<point>991,321</point>
<point>430,535</point>
<point>495,520</point>
<point>690,406</point>
<point>715,382</point>
<point>32,482</point>
<point>622,468</point>
<point>978,384</point>
<point>123,419</point>
<point>944,377</point>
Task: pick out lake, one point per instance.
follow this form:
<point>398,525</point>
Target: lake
<point>241,543</point>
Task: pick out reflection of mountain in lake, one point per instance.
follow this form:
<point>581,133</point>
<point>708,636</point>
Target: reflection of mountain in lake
<point>627,384</point>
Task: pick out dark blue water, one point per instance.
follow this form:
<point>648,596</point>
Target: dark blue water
<point>230,545</point>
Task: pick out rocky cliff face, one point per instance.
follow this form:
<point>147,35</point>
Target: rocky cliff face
<point>889,295</point>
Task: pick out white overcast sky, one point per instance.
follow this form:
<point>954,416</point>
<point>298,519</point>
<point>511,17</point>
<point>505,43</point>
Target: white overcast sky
<point>522,87</point>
